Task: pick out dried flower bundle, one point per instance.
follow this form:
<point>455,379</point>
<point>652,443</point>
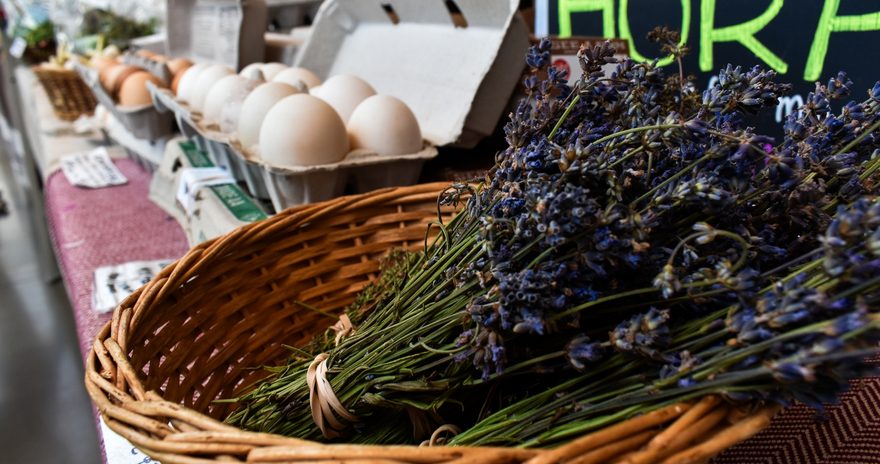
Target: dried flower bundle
<point>636,245</point>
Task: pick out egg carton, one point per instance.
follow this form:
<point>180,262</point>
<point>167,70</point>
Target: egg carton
<point>420,52</point>
<point>286,186</point>
<point>144,122</point>
<point>214,143</point>
<point>156,68</point>
<point>146,153</point>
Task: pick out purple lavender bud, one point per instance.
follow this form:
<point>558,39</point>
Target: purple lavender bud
<point>580,351</point>
<point>698,126</point>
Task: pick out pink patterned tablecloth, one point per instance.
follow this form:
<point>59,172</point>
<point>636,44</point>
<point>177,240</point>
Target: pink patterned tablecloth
<point>98,227</point>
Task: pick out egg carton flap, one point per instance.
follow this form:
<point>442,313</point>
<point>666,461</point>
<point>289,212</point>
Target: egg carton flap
<point>354,159</point>
<point>189,123</point>
<point>433,55</point>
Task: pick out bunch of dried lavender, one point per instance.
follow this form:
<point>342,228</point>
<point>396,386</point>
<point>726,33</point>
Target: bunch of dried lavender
<point>626,198</point>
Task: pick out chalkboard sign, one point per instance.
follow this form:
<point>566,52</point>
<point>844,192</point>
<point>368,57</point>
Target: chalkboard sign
<point>803,40</point>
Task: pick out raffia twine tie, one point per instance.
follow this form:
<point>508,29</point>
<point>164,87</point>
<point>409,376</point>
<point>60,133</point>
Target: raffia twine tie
<point>343,328</point>
<point>331,417</point>
<point>327,411</point>
<point>437,439</point>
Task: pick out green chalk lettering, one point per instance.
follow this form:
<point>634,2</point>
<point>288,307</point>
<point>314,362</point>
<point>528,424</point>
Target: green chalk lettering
<point>743,33</point>
<point>567,7</point>
<point>626,34</point>
<point>829,22</point>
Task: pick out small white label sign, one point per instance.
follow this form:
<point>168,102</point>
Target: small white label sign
<point>114,283</point>
<point>119,450</point>
<point>92,169</point>
<point>17,48</point>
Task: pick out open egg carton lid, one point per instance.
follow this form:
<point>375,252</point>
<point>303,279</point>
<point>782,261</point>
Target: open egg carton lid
<point>143,121</point>
<point>455,63</point>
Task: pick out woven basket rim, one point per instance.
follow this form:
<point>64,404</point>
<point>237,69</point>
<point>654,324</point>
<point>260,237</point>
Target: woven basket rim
<point>173,433</point>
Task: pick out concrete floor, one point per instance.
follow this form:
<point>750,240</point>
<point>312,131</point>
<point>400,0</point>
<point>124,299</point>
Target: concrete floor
<point>45,414</point>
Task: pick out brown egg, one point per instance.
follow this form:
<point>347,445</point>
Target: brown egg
<point>104,74</point>
<point>133,91</point>
<point>178,65</point>
<point>100,63</point>
<point>113,77</point>
<point>144,53</point>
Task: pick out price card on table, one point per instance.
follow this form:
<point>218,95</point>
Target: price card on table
<point>92,169</point>
<point>118,450</point>
<point>114,283</point>
<point>18,47</point>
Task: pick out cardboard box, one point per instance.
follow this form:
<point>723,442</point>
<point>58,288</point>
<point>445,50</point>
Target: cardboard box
<point>214,210</point>
<point>226,32</point>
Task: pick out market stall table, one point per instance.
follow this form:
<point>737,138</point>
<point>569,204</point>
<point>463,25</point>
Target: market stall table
<point>96,227</point>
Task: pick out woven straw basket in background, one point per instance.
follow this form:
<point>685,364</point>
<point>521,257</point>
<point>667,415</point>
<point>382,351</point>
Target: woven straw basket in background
<point>195,333</point>
<point>68,93</point>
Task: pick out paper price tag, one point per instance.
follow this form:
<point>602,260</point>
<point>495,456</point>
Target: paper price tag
<point>114,283</point>
<point>118,450</point>
<point>92,169</point>
<point>192,180</point>
<point>18,47</point>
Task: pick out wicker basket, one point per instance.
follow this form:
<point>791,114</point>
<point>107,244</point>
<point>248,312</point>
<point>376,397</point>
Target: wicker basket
<point>193,334</point>
<point>68,93</point>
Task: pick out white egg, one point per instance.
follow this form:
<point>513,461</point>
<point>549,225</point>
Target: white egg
<point>255,107</point>
<point>294,76</point>
<point>344,93</point>
<point>270,70</point>
<point>206,80</point>
<point>385,125</point>
<point>302,130</point>
<point>188,81</point>
<point>255,74</point>
<point>223,103</point>
<point>245,71</point>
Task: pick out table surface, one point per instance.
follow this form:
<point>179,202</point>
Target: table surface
<point>100,227</point>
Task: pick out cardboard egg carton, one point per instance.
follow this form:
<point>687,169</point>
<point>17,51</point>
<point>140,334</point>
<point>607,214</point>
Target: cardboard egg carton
<point>287,186</point>
<point>143,121</point>
<point>420,52</point>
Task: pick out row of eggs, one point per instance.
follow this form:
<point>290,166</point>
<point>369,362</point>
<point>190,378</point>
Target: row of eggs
<point>288,116</point>
<point>126,83</point>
